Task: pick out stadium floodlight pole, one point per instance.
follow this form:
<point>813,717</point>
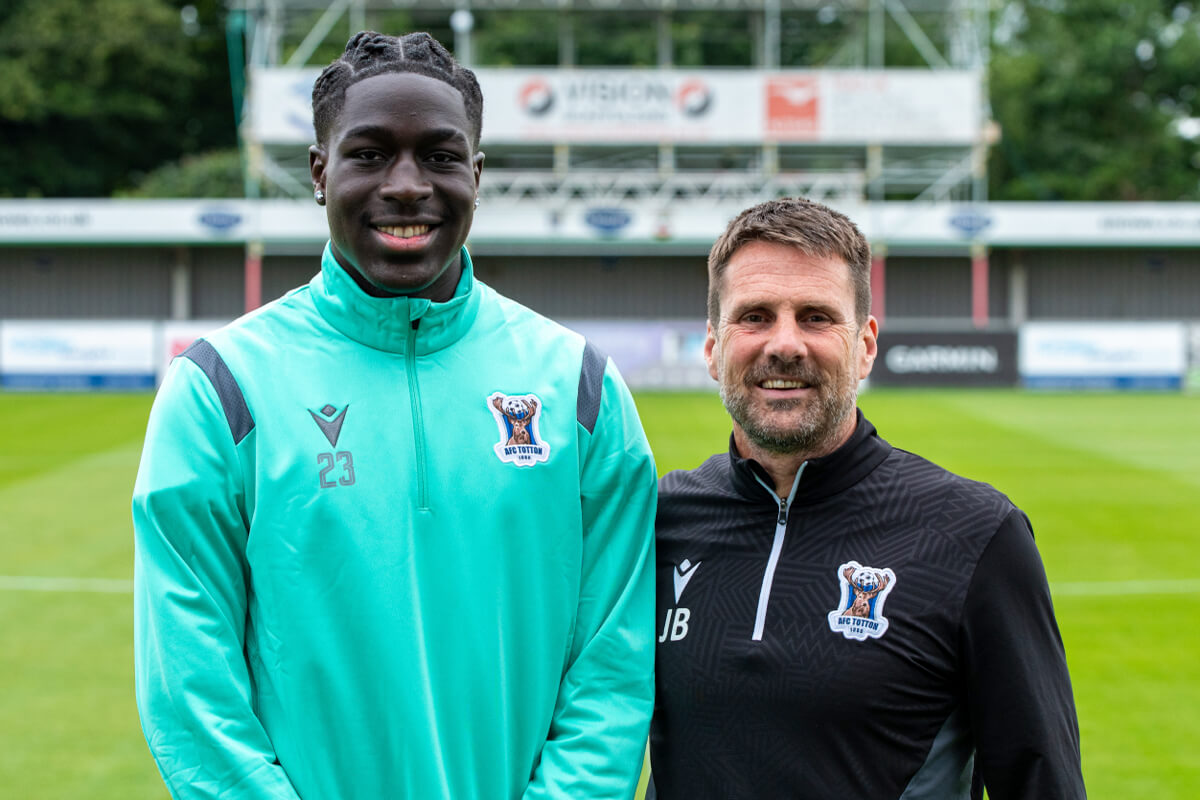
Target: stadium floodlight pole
<point>979,183</point>
<point>666,60</point>
<point>238,30</point>
<point>771,34</point>
<point>252,272</point>
<point>875,34</point>
<point>462,22</point>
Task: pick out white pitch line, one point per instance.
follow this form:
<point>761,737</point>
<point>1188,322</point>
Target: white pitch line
<point>1103,588</point>
<point>29,583</point>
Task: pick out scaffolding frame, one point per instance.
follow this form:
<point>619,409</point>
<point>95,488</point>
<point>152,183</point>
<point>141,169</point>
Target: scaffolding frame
<point>267,30</point>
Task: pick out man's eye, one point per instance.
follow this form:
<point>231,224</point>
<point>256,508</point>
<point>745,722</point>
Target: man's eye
<point>442,157</point>
<point>754,318</point>
<point>366,155</point>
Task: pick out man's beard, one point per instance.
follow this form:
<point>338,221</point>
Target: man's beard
<point>810,432</point>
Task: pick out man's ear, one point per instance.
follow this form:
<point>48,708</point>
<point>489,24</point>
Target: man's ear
<point>870,341</point>
<point>710,358</point>
<point>477,166</point>
<point>317,160</point>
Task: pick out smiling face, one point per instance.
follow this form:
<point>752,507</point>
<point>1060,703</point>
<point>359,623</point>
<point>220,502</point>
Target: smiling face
<point>787,351</point>
<point>399,176</point>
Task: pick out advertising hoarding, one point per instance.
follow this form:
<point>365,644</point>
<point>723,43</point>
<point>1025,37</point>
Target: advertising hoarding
<point>1103,355</point>
<point>130,355</point>
<point>692,220</point>
<point>1192,381</point>
<point>77,355</point>
<point>652,355</point>
<point>966,358</point>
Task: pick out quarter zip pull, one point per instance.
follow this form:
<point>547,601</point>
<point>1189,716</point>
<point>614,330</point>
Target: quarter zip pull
<point>414,394</point>
<point>764,593</point>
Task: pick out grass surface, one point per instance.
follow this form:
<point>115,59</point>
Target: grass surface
<point>1111,482</point>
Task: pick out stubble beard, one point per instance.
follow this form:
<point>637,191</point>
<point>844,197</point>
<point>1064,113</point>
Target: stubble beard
<point>807,433</point>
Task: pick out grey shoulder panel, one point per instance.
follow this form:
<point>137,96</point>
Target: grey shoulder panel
<point>591,384</point>
<point>237,414</point>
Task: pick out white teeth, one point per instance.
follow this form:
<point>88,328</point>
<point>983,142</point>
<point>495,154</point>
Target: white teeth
<point>404,231</point>
<point>783,385</point>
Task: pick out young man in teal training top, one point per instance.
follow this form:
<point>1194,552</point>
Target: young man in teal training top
<point>393,530</point>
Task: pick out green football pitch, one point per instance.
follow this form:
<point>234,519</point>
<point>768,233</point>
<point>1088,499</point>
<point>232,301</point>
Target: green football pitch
<point>1111,482</point>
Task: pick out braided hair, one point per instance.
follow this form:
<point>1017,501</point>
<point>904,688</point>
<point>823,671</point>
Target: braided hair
<point>369,54</point>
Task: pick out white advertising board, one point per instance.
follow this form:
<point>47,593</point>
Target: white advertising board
<point>160,221</point>
<point>689,220</point>
<point>1193,377</point>
<point>49,354</point>
<point>44,355</point>
<point>1042,224</point>
<point>652,355</point>
<point>597,106</point>
<point>1103,355</point>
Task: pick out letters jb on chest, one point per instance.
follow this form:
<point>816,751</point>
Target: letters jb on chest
<point>675,624</point>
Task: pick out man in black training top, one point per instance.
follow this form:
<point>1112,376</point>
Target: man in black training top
<point>839,619</point>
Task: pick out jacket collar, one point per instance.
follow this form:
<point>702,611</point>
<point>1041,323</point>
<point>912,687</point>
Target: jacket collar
<point>385,323</point>
<point>821,477</point>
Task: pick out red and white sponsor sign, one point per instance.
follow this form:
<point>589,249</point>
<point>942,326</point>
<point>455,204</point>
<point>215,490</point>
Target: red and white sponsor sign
<point>793,107</point>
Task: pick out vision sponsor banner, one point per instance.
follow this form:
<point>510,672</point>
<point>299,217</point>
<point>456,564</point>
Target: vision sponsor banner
<point>1103,355</point>
<point>77,355</point>
<point>597,106</point>
<point>966,358</point>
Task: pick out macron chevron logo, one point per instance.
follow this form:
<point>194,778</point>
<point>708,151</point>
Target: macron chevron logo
<point>683,574</point>
<point>330,420</point>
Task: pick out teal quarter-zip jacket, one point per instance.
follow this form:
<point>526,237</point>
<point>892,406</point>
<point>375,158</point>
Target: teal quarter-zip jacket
<point>392,548</point>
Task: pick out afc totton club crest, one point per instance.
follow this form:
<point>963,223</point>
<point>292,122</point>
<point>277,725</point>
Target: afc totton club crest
<point>859,614</point>
<point>517,418</point>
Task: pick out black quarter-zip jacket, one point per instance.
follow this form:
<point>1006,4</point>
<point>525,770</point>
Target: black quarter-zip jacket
<point>883,632</point>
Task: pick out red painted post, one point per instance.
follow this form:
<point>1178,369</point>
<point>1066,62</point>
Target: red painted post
<point>979,285</point>
<point>878,270</point>
<point>253,275</point>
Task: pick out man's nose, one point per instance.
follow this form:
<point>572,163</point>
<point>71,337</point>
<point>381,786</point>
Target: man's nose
<point>786,340</point>
<point>406,181</point>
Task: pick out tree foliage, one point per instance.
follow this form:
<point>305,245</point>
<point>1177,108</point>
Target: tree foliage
<point>1088,94</point>
<point>217,173</point>
<point>91,100</point>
